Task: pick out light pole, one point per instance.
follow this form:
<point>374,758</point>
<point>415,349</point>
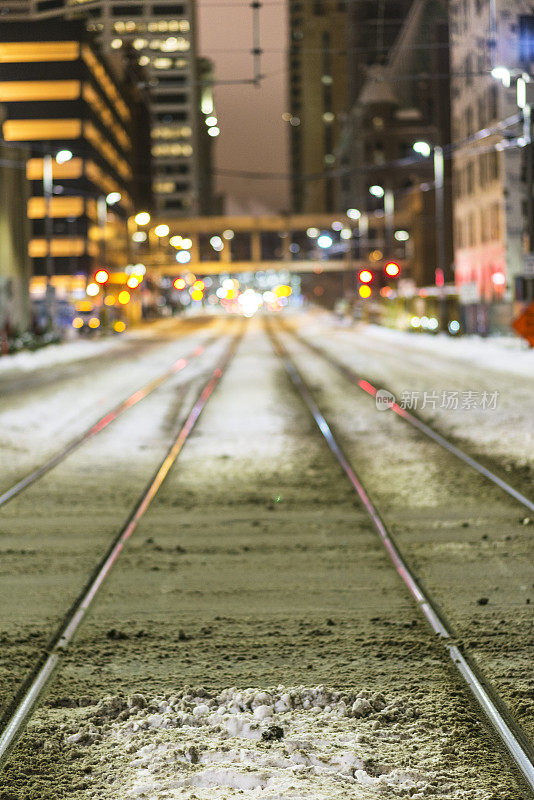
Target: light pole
<point>48,191</point>
<point>425,149</point>
<point>48,188</point>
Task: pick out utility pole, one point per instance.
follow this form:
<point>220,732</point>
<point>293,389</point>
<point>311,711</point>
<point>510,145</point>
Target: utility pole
<point>48,189</point>
<point>439,188</point>
<point>389,221</point>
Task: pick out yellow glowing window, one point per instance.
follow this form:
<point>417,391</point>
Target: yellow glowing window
<point>107,150</point>
<point>164,187</point>
<point>21,130</point>
<point>58,247</point>
<point>59,207</point>
<point>13,91</point>
<point>70,169</point>
<point>93,99</point>
<point>105,81</point>
<point>19,52</point>
<point>104,182</point>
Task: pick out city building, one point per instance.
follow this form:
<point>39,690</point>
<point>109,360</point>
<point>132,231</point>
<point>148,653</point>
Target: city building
<point>14,235</point>
<point>318,100</point>
<point>492,233</point>
<point>80,124</point>
<point>162,34</point>
<point>386,155</point>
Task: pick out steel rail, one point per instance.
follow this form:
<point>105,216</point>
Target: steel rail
<point>515,742</point>
<point>63,637</point>
<point>103,423</point>
<point>404,414</point>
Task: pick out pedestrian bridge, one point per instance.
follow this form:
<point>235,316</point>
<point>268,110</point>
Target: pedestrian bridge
<point>213,245</point>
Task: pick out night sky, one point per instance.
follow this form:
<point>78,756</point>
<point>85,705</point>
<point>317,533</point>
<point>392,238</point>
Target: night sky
<point>253,134</point>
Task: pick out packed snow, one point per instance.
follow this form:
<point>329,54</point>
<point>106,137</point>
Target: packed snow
<point>288,743</point>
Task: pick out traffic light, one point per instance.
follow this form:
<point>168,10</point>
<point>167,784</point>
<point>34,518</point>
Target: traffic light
<point>392,269</point>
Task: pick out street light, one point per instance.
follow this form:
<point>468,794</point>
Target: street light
<point>113,198</point>
<point>377,191</point>
<point>423,148</point>
<point>143,218</point>
<point>354,213</point>
<point>503,75</point>
<point>63,156</point>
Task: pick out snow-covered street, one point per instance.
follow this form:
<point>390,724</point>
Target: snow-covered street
<point>253,638</point>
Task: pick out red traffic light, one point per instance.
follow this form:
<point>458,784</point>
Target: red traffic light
<point>102,276</point>
<point>365,276</point>
<point>392,269</point>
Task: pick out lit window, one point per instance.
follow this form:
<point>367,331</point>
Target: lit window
<point>140,43</point>
<point>120,27</point>
<point>173,43</point>
<point>164,187</point>
<point>173,149</point>
<point>116,43</point>
<point>171,132</point>
<point>163,25</point>
<point>144,61</point>
<point>131,26</point>
<point>162,63</point>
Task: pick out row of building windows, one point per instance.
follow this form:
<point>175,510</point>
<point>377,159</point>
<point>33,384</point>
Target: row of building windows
<point>163,63</point>
<point>171,45</point>
<point>477,173</point>
<point>161,26</point>
<point>171,132</point>
<point>479,227</point>
<point>172,149</point>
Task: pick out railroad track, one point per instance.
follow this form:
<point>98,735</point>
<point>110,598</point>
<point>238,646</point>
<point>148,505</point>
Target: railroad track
<point>102,423</point>
<point>514,740</point>
<point>24,702</point>
<point>413,420</point>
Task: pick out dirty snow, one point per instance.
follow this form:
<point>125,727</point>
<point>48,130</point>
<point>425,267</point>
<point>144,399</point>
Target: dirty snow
<point>293,742</point>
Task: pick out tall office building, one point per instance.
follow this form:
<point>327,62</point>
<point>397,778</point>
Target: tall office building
<point>493,266</point>
<point>79,124</point>
<point>318,99</point>
<point>399,87</point>
<point>162,34</point>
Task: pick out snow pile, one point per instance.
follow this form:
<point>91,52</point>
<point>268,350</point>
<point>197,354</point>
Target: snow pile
<point>53,354</point>
<point>278,743</point>
<point>506,354</point>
